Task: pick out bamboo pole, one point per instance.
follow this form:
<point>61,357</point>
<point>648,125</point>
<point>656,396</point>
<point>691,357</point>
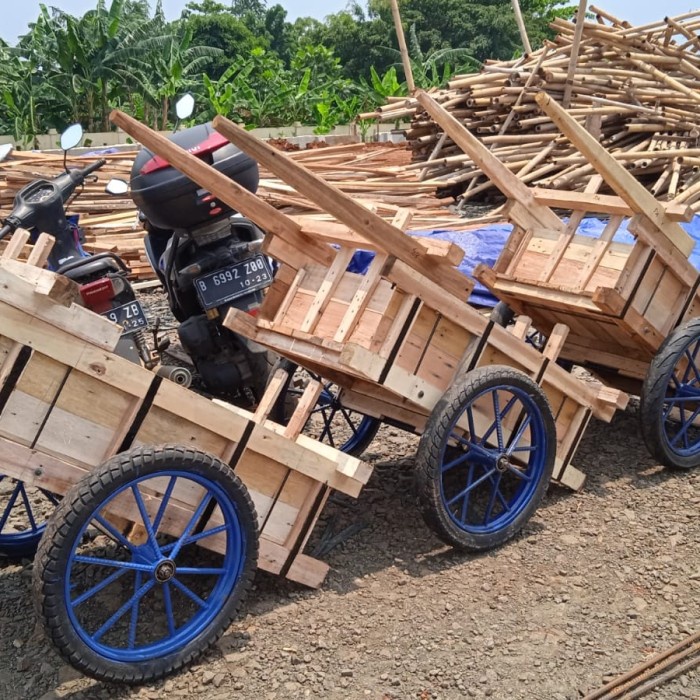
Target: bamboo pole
<point>405,58</point>
<point>578,33</point>
<point>521,26</point>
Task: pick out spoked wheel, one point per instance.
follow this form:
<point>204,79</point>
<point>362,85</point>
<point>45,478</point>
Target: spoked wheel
<point>670,401</point>
<point>132,584</point>
<point>486,458</point>
<point>23,513</point>
<point>330,422</point>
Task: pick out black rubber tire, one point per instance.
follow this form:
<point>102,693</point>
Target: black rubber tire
<point>654,392</point>
<point>65,525</point>
<point>283,409</point>
<point>433,441</point>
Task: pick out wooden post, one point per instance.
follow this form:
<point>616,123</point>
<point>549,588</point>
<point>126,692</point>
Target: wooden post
<point>521,26</point>
<point>405,58</point>
<point>578,33</point>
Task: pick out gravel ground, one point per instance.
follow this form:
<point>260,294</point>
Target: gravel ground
<point>596,582</point>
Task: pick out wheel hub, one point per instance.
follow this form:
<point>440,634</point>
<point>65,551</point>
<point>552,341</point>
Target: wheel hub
<point>165,571</point>
<point>502,463</point>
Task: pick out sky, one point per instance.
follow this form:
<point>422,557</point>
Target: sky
<point>18,14</point>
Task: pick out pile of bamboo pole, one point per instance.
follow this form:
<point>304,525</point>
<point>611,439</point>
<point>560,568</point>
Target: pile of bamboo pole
<point>636,88</point>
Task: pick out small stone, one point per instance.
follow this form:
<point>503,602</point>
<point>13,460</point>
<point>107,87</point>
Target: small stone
<point>46,669</point>
<point>17,643</point>
<point>24,663</point>
<point>346,672</point>
<point>219,679</point>
<point>208,677</point>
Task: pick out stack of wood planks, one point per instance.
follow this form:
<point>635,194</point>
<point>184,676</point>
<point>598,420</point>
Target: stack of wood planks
<point>635,88</point>
<point>374,174</point>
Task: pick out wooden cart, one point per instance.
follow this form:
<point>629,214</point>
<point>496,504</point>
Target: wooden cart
<point>632,307</point>
<point>78,421</point>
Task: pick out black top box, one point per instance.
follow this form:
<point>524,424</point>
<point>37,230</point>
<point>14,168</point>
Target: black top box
<point>169,199</point>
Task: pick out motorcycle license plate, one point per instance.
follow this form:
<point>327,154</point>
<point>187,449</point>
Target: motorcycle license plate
<point>229,283</point>
<point>129,316</point>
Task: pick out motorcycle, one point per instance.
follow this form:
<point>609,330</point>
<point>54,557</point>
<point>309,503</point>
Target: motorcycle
<point>207,257</point>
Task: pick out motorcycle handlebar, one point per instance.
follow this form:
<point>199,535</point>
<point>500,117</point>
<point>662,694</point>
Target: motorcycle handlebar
<point>82,174</point>
<point>5,230</point>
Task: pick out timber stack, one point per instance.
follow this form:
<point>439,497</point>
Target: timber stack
<point>637,89</point>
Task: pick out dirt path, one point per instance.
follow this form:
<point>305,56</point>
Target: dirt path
<point>595,583</point>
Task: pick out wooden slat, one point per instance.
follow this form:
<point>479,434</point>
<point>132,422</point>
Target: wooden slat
<point>346,209</point>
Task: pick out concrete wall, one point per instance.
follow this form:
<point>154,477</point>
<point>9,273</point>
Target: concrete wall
<point>300,134</point>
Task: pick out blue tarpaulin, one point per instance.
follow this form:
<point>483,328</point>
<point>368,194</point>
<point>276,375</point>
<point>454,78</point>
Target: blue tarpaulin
<point>484,245</point>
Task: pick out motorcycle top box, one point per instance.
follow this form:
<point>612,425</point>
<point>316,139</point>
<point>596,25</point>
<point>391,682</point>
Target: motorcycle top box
<point>170,200</point>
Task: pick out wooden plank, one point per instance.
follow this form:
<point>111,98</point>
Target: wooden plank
<point>602,203</point>
<point>328,286</point>
<point>346,209</point>
<point>272,393</point>
<point>361,297</point>
<point>19,239</point>
<point>303,409</point>
<point>624,183</point>
<point>225,189</point>
<point>41,250</point>
<point>83,323</point>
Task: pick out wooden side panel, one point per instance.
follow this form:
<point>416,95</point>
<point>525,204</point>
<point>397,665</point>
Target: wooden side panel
<point>666,302</point>
<point>82,424</point>
<point>31,400</point>
<point>444,353</point>
<point>416,341</point>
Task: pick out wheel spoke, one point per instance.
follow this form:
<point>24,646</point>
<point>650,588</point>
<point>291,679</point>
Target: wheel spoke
<point>28,507</point>
<point>99,587</point>
<point>123,610</point>
<point>190,525</point>
<point>685,425</point>
<point>348,418</point>
<point>164,504</point>
<point>496,425</point>
<point>144,516</point>
<point>190,594</point>
<point>497,416</point>
<point>515,439</point>
<point>195,538</point>
<point>112,532</point>
<point>691,363</point>
<point>193,571</point>
<point>519,473</point>
<point>492,499</point>
<point>112,563</point>
<point>465,502</point>
<point>10,505</point>
<point>167,599</point>
<point>471,486</point>
<point>134,611</point>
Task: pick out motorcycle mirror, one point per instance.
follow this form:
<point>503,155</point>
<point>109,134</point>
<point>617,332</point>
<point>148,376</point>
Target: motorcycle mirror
<point>117,186</point>
<point>71,137</point>
<point>5,151</point>
<point>184,107</point>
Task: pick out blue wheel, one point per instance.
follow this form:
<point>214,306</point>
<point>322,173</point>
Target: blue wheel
<point>670,400</point>
<point>485,459</point>
<point>23,513</point>
<point>132,583</point>
<point>330,422</point>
